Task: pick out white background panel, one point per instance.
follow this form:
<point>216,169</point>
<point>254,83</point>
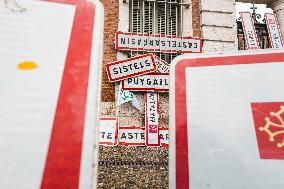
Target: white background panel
<point>223,150</point>
<point>28,99</point>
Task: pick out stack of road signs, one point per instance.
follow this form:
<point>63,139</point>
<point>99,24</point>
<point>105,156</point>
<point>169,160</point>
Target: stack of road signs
<point>226,123</point>
<point>136,75</point>
<point>49,81</point>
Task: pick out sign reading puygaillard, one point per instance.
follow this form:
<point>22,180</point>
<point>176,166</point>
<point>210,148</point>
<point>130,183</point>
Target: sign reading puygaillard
<point>108,131</point>
<point>162,66</point>
<point>131,136</point>
<point>249,31</point>
<point>226,120</point>
<point>274,31</point>
<point>130,67</point>
<point>152,116</point>
<point>158,82</point>
<point>157,43</point>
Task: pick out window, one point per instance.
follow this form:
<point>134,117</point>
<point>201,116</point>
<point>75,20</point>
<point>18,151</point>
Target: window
<point>155,17</point>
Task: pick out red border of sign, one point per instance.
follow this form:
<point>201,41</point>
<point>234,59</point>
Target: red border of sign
<point>181,143</point>
<point>164,144</point>
<point>130,75</point>
<point>131,144</point>
<point>116,131</point>
<point>154,35</point>
<point>66,138</point>
<point>249,48</point>
<point>281,40</point>
<point>146,89</point>
<point>146,122</point>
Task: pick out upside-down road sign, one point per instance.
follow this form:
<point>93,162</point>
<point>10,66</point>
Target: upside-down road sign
<point>226,121</point>
<point>51,58</point>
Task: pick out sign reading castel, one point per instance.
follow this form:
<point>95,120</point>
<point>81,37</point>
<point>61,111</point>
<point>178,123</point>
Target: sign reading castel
<point>226,121</point>
<point>157,43</point>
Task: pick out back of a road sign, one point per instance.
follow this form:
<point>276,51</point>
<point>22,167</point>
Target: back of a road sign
<point>50,73</point>
<point>226,123</point>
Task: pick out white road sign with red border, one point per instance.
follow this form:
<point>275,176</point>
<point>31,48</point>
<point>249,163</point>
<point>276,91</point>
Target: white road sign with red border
<point>226,129</point>
<point>108,131</point>
<point>158,82</point>
<point>162,66</point>
<point>152,119</point>
<point>249,31</point>
<point>274,31</point>
<point>138,65</point>
<point>49,111</point>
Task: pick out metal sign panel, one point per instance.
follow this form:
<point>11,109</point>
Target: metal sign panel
<point>138,65</point>
<point>151,119</point>
<point>162,66</point>
<point>158,82</point>
<point>274,31</point>
<point>226,120</point>
<point>108,131</point>
<point>131,136</point>
<point>157,43</point>
<point>49,107</point>
<point>249,31</point>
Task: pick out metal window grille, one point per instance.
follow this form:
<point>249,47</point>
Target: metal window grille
<point>155,17</point>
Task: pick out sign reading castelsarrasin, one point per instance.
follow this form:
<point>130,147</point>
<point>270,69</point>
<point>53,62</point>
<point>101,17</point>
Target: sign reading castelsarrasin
<point>130,67</point>
<point>157,43</point>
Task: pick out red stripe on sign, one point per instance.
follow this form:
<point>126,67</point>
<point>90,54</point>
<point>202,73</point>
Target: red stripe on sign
<point>62,168</point>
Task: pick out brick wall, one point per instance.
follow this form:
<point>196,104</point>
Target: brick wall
<point>196,18</point>
<point>110,27</point>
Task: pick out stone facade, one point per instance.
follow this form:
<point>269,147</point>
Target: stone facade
<point>218,25</point>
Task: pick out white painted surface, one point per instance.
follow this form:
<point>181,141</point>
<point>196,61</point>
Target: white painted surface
<point>223,150</point>
<point>28,98</point>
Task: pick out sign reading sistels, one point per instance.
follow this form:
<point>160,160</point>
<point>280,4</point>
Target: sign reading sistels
<point>130,67</point>
<point>157,43</point>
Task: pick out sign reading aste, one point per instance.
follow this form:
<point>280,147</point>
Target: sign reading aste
<point>249,31</point>
<point>152,116</point>
<point>274,31</point>
<point>130,67</point>
<point>158,82</point>
<point>131,136</point>
<point>226,119</point>
<point>157,43</point>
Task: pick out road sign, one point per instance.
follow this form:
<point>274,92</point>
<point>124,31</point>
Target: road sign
<point>131,136</point>
<point>157,43</point>
<point>226,126</point>
<point>152,119</point>
<point>249,31</point>
<point>108,131</point>
<point>274,31</point>
<point>50,80</point>
<point>138,65</point>
<point>158,82</point>
<point>162,66</point>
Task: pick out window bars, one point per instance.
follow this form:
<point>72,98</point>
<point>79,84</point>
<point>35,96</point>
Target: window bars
<point>156,17</point>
